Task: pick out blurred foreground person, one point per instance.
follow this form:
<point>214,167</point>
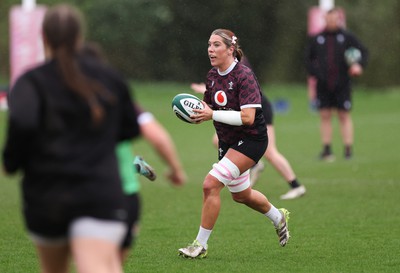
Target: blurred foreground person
<point>333,57</point>
<point>160,140</point>
<point>66,117</point>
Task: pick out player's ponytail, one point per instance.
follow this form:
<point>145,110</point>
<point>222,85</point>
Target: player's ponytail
<point>63,31</point>
<point>239,54</point>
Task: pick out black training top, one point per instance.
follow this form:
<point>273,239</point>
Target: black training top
<point>52,139</point>
<point>325,56</point>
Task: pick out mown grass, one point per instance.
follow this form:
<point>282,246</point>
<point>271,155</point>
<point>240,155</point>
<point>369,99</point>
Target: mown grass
<point>347,222</point>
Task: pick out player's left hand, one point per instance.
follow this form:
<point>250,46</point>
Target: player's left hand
<point>202,114</point>
<point>355,70</point>
<point>177,177</point>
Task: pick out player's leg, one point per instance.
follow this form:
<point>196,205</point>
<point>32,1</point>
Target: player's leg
<point>259,202</point>
<point>326,125</point>
<point>326,133</point>
<point>215,140</point>
<point>134,209</point>
<point>277,160</point>
<point>221,175</point>
<point>244,156</point>
<point>345,120</point>
<point>282,165</point>
<point>240,186</point>
<point>346,129</point>
<point>95,245</point>
<point>93,255</point>
<point>49,235</point>
<point>326,102</point>
<point>268,114</point>
<point>210,209</point>
<point>53,258</point>
<point>211,201</point>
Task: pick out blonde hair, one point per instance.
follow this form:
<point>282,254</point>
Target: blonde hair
<point>230,39</point>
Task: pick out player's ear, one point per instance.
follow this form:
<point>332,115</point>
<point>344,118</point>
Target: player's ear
<point>231,50</point>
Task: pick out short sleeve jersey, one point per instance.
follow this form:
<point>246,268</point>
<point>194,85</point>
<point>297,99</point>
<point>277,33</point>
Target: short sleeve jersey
<point>235,89</point>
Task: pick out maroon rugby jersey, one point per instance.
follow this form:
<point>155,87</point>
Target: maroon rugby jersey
<point>235,90</point>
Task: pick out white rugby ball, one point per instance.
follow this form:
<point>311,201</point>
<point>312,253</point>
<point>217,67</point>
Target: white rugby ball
<point>352,55</point>
<point>183,105</point>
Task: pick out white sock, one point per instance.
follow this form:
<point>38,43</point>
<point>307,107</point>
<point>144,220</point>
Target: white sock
<point>274,215</point>
<point>203,235</point>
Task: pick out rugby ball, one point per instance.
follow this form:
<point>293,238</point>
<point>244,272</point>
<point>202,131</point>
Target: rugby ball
<point>183,105</point>
<point>352,55</point>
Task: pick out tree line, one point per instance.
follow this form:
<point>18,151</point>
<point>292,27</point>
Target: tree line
<point>167,39</point>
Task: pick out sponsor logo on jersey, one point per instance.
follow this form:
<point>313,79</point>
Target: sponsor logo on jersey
<point>220,98</point>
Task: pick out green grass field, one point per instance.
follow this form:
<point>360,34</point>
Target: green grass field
<point>347,222</point>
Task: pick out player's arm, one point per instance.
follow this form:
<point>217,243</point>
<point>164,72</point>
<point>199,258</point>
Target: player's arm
<point>236,118</point>
<point>24,104</point>
<point>161,141</point>
<point>309,57</point>
<point>356,69</point>
<point>248,115</point>
<point>198,87</point>
<point>354,42</point>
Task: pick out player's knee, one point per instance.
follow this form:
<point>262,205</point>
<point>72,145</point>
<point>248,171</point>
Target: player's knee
<point>343,116</point>
<point>271,153</point>
<point>325,114</point>
<point>241,197</point>
<point>209,185</point>
<point>225,171</point>
<point>215,140</point>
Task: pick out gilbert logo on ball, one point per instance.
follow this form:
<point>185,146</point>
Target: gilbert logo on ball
<point>183,105</point>
<point>220,98</point>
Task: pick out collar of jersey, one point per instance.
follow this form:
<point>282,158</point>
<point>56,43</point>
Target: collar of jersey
<point>230,68</point>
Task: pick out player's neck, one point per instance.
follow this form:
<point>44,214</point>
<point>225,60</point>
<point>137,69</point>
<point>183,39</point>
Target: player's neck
<point>226,68</point>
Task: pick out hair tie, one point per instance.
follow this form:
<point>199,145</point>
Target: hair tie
<point>233,41</point>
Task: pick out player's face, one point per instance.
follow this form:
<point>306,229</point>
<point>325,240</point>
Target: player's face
<point>220,55</point>
<point>332,21</point>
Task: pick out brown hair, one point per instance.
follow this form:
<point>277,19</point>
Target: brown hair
<point>63,30</point>
<point>333,10</point>
<point>230,39</point>
<point>93,50</point>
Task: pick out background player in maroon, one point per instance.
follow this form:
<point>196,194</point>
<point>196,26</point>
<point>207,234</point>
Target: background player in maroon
<point>233,102</point>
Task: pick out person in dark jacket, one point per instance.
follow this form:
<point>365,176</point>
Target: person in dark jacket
<point>333,57</point>
<point>66,117</point>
